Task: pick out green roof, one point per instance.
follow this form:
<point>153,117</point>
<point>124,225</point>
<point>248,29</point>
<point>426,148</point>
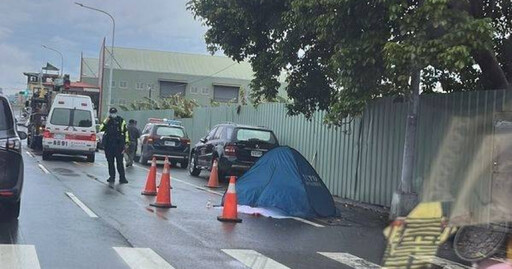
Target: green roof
<point>90,67</point>
<point>180,63</point>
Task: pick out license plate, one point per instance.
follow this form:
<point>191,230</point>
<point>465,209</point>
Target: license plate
<point>170,143</point>
<point>256,153</point>
<point>59,136</point>
<point>60,143</point>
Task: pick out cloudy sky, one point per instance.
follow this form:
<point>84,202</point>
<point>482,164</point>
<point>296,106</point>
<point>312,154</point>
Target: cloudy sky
<point>62,25</point>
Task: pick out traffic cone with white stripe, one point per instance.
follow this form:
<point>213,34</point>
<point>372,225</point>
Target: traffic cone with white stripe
<point>230,210</point>
<point>150,188</point>
<point>163,197</point>
<point>213,181</point>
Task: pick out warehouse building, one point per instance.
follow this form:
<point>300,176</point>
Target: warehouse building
<point>140,73</point>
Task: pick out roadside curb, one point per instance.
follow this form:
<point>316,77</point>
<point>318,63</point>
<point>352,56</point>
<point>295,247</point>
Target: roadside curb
<point>366,206</point>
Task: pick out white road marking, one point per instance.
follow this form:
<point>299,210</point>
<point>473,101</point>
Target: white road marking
<point>184,182</point>
<point>308,222</point>
<point>30,154</point>
<point>81,205</point>
<point>253,259</point>
<point>19,257</point>
<point>43,168</point>
<point>142,258</point>
<point>350,260</point>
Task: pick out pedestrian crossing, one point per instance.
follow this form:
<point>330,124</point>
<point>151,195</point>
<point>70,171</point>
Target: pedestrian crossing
<point>26,257</point>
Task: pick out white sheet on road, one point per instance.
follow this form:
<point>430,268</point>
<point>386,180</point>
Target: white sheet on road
<point>266,212</point>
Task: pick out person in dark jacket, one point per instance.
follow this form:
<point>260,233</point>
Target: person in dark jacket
<point>115,140</point>
<point>134,134</point>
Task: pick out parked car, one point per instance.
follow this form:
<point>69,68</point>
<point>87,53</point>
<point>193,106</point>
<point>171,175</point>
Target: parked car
<point>71,127</point>
<point>11,162</point>
<point>235,148</point>
<point>162,138</point>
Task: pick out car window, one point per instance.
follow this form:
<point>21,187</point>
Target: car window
<point>255,135</point>
<point>61,116</point>
<point>211,134</point>
<point>228,133</point>
<point>82,118</point>
<point>6,116</point>
<point>146,129</point>
<point>169,131</point>
<point>218,132</point>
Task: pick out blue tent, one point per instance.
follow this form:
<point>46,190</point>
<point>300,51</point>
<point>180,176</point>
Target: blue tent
<point>285,180</point>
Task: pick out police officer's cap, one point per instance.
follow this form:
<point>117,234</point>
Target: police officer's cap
<point>113,110</point>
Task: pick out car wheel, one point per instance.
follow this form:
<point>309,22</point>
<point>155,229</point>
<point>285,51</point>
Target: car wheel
<point>46,155</point>
<point>184,164</point>
<point>91,158</point>
<point>173,163</point>
<point>192,168</point>
<point>143,160</point>
<point>12,210</point>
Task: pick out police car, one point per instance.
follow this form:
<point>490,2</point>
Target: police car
<point>162,138</point>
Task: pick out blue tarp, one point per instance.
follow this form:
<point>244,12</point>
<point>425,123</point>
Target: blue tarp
<point>285,180</point>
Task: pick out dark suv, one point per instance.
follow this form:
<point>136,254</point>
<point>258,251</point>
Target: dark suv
<point>235,147</point>
<point>11,163</point>
<point>162,139</point>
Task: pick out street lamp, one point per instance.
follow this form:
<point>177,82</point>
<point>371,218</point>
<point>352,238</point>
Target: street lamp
<point>109,94</point>
<point>61,58</point>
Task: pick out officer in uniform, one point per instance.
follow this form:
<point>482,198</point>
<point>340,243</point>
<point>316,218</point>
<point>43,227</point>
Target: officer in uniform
<point>115,141</point>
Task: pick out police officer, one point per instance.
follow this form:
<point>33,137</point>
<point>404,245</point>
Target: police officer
<point>115,140</point>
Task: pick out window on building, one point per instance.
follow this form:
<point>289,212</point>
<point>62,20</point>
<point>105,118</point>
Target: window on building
<point>140,85</point>
<point>170,88</point>
<point>123,84</point>
<point>205,91</point>
<point>194,90</point>
<point>225,93</point>
<point>113,83</point>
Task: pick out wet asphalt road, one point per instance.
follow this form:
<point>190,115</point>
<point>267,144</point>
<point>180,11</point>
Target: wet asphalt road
<point>189,236</point>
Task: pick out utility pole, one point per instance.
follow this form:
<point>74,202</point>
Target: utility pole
<point>109,93</point>
<point>404,199</point>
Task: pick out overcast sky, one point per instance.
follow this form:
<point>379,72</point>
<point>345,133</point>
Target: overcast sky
<point>62,25</point>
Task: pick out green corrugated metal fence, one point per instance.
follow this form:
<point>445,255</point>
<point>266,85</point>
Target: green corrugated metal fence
<point>361,160</point>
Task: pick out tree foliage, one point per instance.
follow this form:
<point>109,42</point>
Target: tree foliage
<point>183,107</point>
<point>339,54</point>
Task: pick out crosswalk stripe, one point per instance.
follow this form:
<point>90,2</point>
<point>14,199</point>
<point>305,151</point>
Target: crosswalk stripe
<point>350,260</point>
<point>19,257</point>
<point>142,258</point>
<point>253,259</point>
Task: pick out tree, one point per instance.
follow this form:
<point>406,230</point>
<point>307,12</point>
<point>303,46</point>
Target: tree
<point>183,107</point>
<point>340,54</point>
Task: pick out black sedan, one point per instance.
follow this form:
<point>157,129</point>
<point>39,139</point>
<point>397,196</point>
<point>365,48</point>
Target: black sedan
<point>11,163</point>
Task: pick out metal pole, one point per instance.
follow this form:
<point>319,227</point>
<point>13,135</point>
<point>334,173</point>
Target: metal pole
<point>109,93</point>
<point>61,58</point>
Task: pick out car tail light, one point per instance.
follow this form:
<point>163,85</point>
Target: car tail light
<point>93,137</point>
<point>150,139</point>
<point>230,150</point>
<point>12,143</point>
<point>185,141</point>
<point>6,193</point>
<point>47,134</point>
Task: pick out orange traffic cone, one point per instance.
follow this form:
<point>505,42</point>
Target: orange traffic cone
<point>230,210</point>
<point>150,189</point>
<point>163,197</point>
<point>213,181</point>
